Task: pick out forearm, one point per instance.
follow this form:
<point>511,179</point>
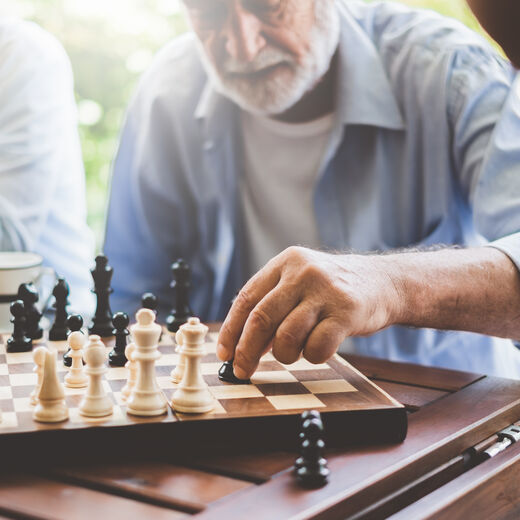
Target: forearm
<point>475,290</point>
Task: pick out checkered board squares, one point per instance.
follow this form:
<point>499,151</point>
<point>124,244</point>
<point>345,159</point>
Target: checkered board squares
<point>274,390</point>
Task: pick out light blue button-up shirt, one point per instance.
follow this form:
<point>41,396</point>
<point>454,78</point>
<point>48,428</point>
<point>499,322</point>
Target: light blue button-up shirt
<point>425,150</point>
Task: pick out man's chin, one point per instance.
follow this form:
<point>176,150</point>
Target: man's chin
<point>267,98</point>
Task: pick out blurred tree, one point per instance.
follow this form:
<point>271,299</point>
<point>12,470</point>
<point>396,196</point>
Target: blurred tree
<point>110,43</point>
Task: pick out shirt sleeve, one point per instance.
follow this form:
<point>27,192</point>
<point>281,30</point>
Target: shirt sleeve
<point>485,114</point>
<point>36,114</point>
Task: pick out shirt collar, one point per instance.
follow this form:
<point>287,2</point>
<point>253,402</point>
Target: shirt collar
<point>365,96</point>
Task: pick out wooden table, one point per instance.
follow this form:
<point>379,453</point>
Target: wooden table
<point>435,473</point>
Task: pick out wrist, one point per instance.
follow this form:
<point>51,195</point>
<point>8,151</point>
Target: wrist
<point>396,294</point>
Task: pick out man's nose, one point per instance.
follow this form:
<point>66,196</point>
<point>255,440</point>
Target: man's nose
<point>244,38</point>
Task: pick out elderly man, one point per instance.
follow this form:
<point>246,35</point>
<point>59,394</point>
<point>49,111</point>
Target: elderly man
<point>342,128</point>
<point>42,184</point>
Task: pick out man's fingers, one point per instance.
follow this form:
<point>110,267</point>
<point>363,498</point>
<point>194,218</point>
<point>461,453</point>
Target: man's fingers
<point>247,299</point>
<point>290,337</point>
<point>260,327</point>
<point>324,341</point>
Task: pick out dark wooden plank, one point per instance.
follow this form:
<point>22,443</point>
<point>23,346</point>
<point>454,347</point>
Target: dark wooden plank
<point>165,485</point>
<point>489,490</point>
<point>414,491</point>
<point>413,397</point>
<point>36,497</point>
<point>437,433</point>
<point>252,467</point>
<point>430,377</point>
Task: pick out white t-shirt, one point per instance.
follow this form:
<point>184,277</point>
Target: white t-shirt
<point>282,162</point>
<point>42,182</point>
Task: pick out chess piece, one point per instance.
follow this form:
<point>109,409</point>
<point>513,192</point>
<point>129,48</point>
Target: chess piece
<point>96,402</point>
<point>51,407</point>
<point>146,399</point>
<point>149,301</point>
<point>313,471</point>
<point>308,414</point>
<point>76,377</point>
<point>117,357</point>
<point>59,329</point>
<point>29,295</point>
<point>74,324</point>
<point>181,285</point>
<point>178,372</point>
<point>193,395</point>
<point>131,367</point>
<point>227,374</point>
<point>18,342</point>
<point>102,276</point>
<point>39,361</point>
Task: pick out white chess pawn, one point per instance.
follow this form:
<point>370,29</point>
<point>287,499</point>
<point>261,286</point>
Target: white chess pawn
<point>131,367</point>
<point>146,399</point>
<point>51,405</point>
<point>76,377</point>
<point>193,395</point>
<point>178,371</point>
<point>96,402</point>
<point>39,361</point>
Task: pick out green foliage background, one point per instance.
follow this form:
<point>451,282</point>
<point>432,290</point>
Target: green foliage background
<point>110,43</point>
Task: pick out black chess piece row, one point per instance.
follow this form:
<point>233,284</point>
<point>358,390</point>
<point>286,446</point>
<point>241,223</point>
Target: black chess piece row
<point>26,317</point>
<point>311,467</point>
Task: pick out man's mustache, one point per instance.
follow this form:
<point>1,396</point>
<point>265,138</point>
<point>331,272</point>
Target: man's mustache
<point>268,57</point>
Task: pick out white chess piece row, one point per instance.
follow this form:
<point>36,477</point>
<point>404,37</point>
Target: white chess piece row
<point>141,393</point>
<point>49,394</point>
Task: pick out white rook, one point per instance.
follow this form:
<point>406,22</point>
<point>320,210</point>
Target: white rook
<point>146,399</point>
<point>193,395</point>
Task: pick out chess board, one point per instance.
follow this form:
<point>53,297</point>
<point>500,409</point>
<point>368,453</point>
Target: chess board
<point>264,412</point>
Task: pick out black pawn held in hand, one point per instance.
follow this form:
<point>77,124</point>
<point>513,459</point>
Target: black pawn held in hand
<point>102,276</point>
<point>18,342</point>
<point>117,357</point>
<point>312,470</point>
<point>181,285</point>
<point>29,295</point>
<point>59,330</point>
<point>74,324</point>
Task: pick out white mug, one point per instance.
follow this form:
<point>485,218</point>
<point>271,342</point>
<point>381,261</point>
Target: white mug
<point>17,268</point>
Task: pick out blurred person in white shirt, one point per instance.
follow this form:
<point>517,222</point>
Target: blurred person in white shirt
<point>42,182</point>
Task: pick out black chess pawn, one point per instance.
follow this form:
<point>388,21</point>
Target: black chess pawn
<point>29,295</point>
<point>149,301</point>
<point>313,471</point>
<point>74,324</point>
<point>18,342</point>
<point>102,276</point>
<point>59,330</point>
<point>308,414</point>
<point>117,357</point>
<point>181,285</point>
<point>226,374</point>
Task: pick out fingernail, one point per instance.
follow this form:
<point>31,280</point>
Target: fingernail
<point>239,373</point>
<point>222,352</point>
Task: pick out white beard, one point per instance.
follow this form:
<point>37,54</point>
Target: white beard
<point>287,86</point>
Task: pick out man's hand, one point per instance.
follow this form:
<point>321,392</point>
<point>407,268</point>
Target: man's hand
<point>307,302</point>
